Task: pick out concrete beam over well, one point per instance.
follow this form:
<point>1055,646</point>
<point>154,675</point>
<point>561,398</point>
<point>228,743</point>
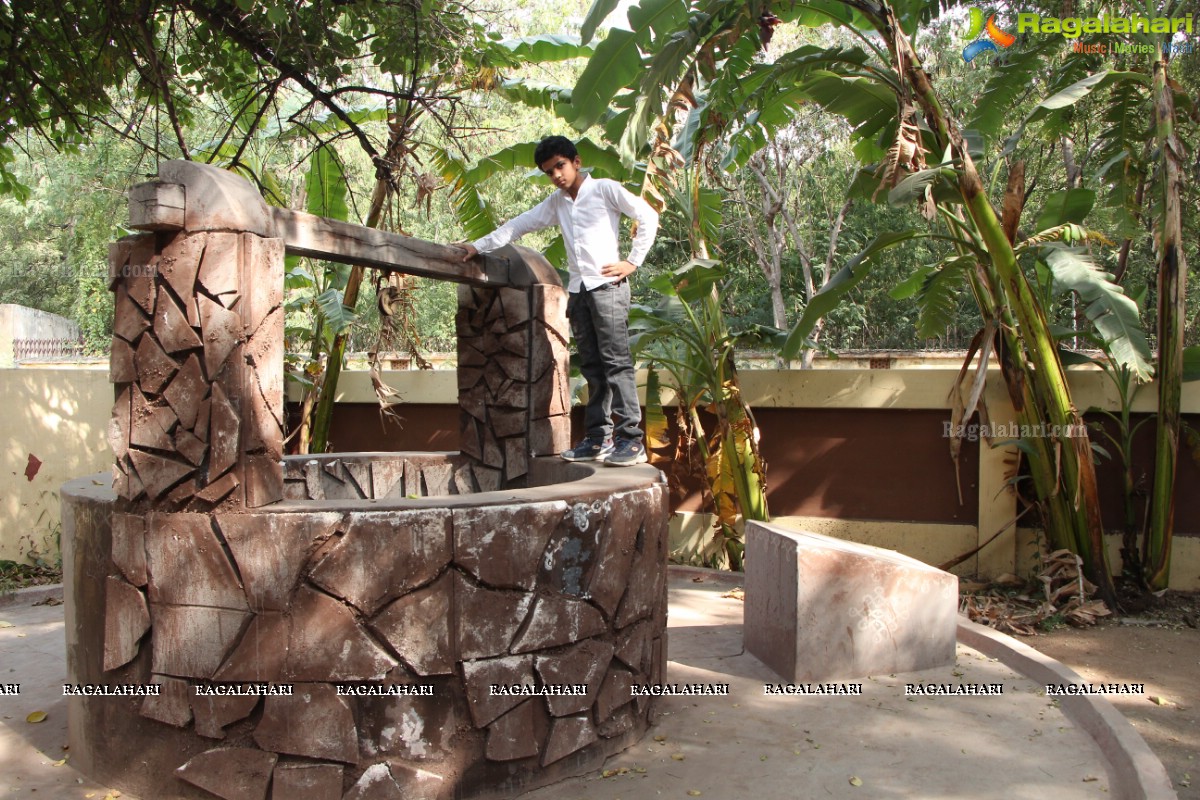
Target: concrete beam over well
<point>319,237</point>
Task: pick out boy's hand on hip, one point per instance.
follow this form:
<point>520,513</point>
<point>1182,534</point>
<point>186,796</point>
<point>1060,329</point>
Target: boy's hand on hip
<point>468,249</point>
<point>619,270</point>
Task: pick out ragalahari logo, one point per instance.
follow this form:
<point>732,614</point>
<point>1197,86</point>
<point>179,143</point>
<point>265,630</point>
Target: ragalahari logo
<point>985,35</point>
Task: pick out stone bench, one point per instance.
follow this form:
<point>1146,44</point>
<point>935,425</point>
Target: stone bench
<point>819,608</point>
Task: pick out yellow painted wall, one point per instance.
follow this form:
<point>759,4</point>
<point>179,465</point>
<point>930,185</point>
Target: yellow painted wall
<point>60,417</point>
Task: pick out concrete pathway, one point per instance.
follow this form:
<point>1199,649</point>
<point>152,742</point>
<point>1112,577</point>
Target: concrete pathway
<point>745,746</point>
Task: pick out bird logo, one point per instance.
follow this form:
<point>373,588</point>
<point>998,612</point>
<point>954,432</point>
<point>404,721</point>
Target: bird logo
<point>984,35</point>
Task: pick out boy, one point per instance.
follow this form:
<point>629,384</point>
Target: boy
<point>588,210</point>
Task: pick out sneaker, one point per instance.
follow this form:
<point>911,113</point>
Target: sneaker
<point>590,449</point>
<point>627,453</point>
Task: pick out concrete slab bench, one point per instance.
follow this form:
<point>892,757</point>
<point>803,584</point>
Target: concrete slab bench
<point>819,608</point>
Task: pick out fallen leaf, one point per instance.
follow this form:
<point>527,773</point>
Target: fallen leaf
<point>1090,778</point>
<point>4,624</point>
<point>678,756</point>
<point>856,781</point>
<point>660,738</point>
<point>1158,700</point>
<point>59,763</point>
<point>762,758</point>
<point>693,792</point>
<point>36,716</point>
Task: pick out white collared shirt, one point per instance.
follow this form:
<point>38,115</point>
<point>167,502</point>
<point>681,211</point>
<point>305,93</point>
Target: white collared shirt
<point>589,228</point>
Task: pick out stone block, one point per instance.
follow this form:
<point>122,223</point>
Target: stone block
<point>360,473</point>
<point>192,641</point>
<point>224,434</point>
<point>507,423</point>
<point>493,456</point>
<point>314,722</point>
<point>634,646</point>
<point>126,620</point>
<point>585,663</point>
<point>129,547</point>
<point>128,319</point>
<point>158,474</point>
<point>387,478</point>
<point>557,621</point>
<point>615,692</point>
<point>567,735</point>
<point>171,325</point>
<point>295,781</point>
<point>121,367</point>
<point>156,206</point>
<point>515,367</point>
<point>119,422</point>
<point>150,424</point>
<point>187,564</point>
<point>327,644</point>
<point>190,447</point>
<point>172,705</point>
<point>819,608</point>
<point>502,546</point>
<point>630,513</point>
<point>411,727</point>
<point>648,576</point>
<point>262,651</point>
<point>215,712</point>
<point>221,264</point>
<point>263,480</point>
<point>419,784</point>
<point>232,773</point>
<point>516,342</point>
<point>217,199</point>
<point>219,489</point>
<point>154,367</point>
<point>435,479</point>
<point>271,549</point>
<point>549,436</point>
<point>384,555</point>
<point>487,478</point>
<point>480,676</point>
<point>417,626</point>
<point>516,458</point>
<point>376,783</point>
<point>515,395</point>
<point>570,556</point>
<point>486,621</point>
<point>619,723</point>
<point>263,260</point>
<point>179,264</point>
<point>221,330</point>
<point>470,442</point>
<point>514,305</point>
<point>513,735</point>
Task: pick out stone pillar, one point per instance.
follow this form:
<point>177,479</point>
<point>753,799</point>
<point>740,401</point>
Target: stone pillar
<point>513,373</point>
<point>197,346</point>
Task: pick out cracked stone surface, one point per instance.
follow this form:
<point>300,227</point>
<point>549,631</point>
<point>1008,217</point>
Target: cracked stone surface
<point>313,722</point>
<point>568,734</point>
<point>327,644</point>
<point>417,626</point>
<point>271,549</point>
<point>232,773</point>
<point>502,545</point>
<point>126,620</point>
<point>192,641</point>
<point>412,728</point>
<point>556,621</point>
<point>129,547</point>
<point>584,663</point>
<point>382,556</point>
<point>512,736</point>
<point>215,712</point>
<point>188,565</point>
<point>481,675</point>
<point>171,706</point>
<point>295,781</point>
<point>486,620</point>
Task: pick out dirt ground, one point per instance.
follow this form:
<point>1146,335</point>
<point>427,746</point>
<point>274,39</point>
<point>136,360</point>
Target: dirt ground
<point>1160,648</point>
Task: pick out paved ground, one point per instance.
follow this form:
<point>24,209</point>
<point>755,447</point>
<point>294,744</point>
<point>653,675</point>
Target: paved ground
<point>746,746</point>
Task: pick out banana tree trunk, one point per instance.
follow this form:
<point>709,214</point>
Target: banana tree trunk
<point>323,416</point>
<point>1068,487</point>
<point>1172,270</point>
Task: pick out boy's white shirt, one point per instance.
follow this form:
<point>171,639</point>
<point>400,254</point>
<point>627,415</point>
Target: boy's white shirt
<point>589,226</point>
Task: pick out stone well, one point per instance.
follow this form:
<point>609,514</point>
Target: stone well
<point>213,563</point>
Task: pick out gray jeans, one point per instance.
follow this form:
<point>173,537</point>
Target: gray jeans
<point>600,324</point>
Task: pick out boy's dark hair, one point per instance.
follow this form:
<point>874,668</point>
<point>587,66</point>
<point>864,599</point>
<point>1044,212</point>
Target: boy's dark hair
<point>553,146</point>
